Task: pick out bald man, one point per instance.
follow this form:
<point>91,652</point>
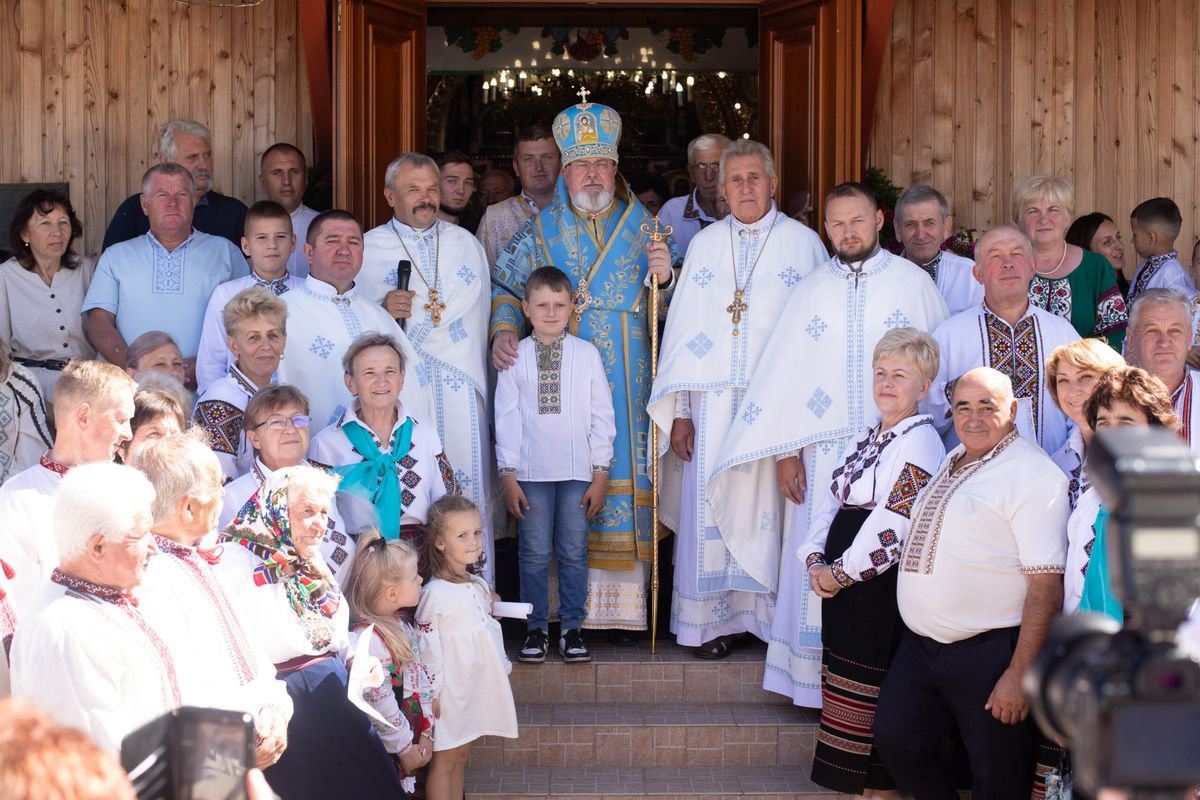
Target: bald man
<point>981,577</point>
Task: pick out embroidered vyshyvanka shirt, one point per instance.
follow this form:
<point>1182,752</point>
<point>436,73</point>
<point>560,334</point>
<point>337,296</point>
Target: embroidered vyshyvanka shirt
<point>554,412</point>
<point>975,535</point>
<point>221,413</point>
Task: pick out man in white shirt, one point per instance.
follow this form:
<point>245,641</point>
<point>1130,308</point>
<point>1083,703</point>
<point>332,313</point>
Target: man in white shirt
<point>693,212</point>
<point>84,653</point>
<point>327,313</point>
<point>93,403</point>
<point>283,176</point>
<point>980,581</point>
<point>217,663</point>
<point>923,223</point>
<point>1007,333</point>
<point>536,161</point>
<point>1159,337</point>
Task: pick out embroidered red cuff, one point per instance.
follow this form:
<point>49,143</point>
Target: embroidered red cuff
<point>839,574</point>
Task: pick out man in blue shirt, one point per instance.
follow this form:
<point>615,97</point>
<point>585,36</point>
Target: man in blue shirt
<point>189,144</point>
<point>161,280</point>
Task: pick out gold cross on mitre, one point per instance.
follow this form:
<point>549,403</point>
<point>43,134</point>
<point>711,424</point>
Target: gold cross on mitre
<point>583,94</point>
<point>657,233</point>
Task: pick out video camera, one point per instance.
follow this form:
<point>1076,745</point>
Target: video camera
<point>1126,701</point>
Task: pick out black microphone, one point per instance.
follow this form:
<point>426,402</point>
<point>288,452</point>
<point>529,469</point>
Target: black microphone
<point>403,273</point>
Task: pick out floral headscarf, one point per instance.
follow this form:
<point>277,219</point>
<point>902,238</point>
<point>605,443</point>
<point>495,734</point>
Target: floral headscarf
<point>262,527</point>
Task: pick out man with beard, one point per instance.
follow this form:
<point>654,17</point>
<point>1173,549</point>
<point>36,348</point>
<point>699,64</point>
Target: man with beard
<point>457,187</point>
<point>189,144</point>
<point>808,397</point>
<point>446,310</point>
<point>536,162</point>
<point>755,258</point>
<point>593,233</point>
<point>691,213</point>
<point>1008,334</point>
<point>923,222</point>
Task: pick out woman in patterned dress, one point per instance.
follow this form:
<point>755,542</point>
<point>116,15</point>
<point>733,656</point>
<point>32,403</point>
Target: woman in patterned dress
<point>1073,283</point>
<point>855,539</point>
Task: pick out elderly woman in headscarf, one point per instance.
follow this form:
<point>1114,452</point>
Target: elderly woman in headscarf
<point>273,566</point>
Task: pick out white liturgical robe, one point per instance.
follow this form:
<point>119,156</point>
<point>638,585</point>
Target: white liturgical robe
<point>810,395</point>
<point>85,655</point>
<point>321,326</point>
<point>453,349</point>
<point>979,338</point>
<point>705,366</point>
<point>952,275</point>
<point>217,663</point>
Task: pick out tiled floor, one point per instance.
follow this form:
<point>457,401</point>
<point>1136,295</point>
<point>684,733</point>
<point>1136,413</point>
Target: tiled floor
<point>666,651</point>
<point>660,782</point>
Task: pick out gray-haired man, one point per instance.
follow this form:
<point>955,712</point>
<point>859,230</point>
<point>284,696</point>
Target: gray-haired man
<point>189,144</point>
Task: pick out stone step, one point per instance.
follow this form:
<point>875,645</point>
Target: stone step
<point>632,675</point>
<point>638,735</point>
<point>663,783</point>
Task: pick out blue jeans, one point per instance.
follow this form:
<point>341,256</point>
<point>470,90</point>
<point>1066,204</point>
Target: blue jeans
<point>554,519</point>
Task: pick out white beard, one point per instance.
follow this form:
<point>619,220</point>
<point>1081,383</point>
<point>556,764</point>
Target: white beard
<point>592,201</point>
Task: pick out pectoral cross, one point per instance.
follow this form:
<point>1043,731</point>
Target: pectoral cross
<point>434,307</point>
<point>736,308</point>
<point>583,94</point>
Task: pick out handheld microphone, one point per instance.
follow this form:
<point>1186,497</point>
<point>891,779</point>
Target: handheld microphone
<point>403,273</point>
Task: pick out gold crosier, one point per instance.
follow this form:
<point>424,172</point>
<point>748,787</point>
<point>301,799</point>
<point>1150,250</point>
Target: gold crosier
<point>656,233</point>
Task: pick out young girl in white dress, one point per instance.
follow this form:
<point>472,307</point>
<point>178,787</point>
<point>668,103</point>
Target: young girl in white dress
<point>471,693</point>
<point>383,588</point>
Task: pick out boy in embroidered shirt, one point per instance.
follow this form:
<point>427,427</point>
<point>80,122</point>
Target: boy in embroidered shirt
<point>555,427</point>
<point>1155,224</point>
<point>268,244</point>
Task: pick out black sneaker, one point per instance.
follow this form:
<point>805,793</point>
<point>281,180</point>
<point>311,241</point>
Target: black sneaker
<point>534,650</point>
<point>572,648</point>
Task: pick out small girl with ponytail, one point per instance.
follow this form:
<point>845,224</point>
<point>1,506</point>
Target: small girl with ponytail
<point>383,588</point>
<point>471,693</point>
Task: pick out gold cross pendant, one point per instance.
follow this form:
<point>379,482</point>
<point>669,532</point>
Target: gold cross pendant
<point>434,307</point>
<point>736,308</point>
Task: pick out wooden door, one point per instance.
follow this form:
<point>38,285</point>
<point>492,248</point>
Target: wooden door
<point>378,98</point>
<point>810,101</point>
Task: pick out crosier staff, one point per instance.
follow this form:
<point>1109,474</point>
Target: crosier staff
<point>656,233</point>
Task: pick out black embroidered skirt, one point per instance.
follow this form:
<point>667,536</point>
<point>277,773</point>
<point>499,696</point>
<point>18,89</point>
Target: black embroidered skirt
<point>860,629</point>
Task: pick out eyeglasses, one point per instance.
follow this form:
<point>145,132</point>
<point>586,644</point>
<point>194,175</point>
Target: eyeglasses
<point>595,166</point>
<point>279,423</point>
<point>713,166</point>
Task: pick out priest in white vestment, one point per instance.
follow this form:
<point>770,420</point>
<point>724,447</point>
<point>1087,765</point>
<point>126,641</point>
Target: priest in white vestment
<point>327,313</point>
<point>218,664</point>
<point>1008,334</point>
<point>446,311</point>
<point>83,652</point>
<point>754,258</point>
<point>923,224</point>
<point>93,404</point>
<point>1160,335</point>
<point>808,398</point>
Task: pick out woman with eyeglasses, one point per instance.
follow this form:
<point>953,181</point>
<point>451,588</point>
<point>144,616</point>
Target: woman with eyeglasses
<point>277,430</point>
<point>392,465</point>
<point>256,333</point>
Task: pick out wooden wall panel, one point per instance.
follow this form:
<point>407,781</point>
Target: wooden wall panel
<point>1105,93</point>
<point>86,83</point>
